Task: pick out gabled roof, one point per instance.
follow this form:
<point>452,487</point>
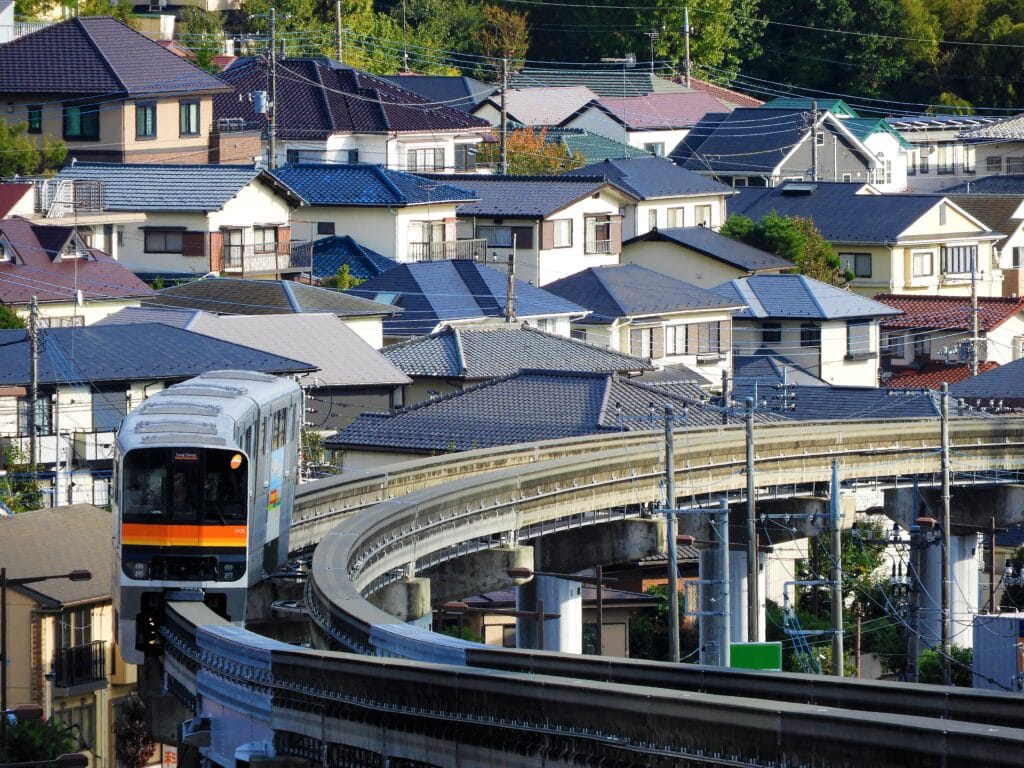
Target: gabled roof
<point>864,127</point>
<point>744,140</point>
<point>671,375</point>
<point>97,55</point>
<point>319,97</point>
<point>948,312</point>
<point>837,210</point>
<point>98,353</point>
<point>729,98</point>
<point>11,194</point>
<point>487,351</point>
<point>765,369</point>
<point>544,105</point>
<point>609,80</point>
<point>527,197</point>
<point>716,246</point>
<point>233,296</point>
<point>457,92</point>
<point>629,290</point>
<point>837,107</point>
<point>997,212</point>
<point>797,297</point>
<point>331,253</point>
<point>1003,383</point>
<point>39,270</point>
<point>1003,184</point>
<point>651,178</point>
<point>933,373</point>
<point>145,187</point>
<point>433,292</point>
<point>365,186</point>
<point>592,146</point>
<point>656,110</point>
<point>1007,129</point>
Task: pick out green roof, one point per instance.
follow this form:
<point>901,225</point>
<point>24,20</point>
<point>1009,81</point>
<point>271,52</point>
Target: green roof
<point>593,147</point>
<point>837,107</point>
<point>604,81</point>
<point>862,127</point>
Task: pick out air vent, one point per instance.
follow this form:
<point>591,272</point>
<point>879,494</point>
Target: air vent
<point>162,426</point>
<point>241,375</point>
<point>206,390</point>
<point>181,437</point>
<point>179,408</point>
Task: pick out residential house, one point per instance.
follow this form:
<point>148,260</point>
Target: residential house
<point>438,293</point>
<point>535,106</point>
<point>655,123</point>
<point>764,147</point>
<point>458,356</point>
<point>179,220</point>
<point>350,377</point>
<point>455,91</point>
<point>731,99</point>
<point>61,654</point>
<point>399,215</point>
<point>647,314</point>
<point>665,195</point>
<point>998,147</point>
<point>72,283</point>
<point>592,147</point>
<point>6,21</point>
<point>227,296</point>
<point>110,93</point>
<point>619,79</point>
<point>552,225</point>
<point>335,252</point>
<point>328,112</point>
<point>1003,214</point>
<point>997,389</point>
<point>88,379</point>
<point>16,199</point>
<point>939,156</point>
<point>700,256</point>
<point>829,332</point>
<point>898,243</point>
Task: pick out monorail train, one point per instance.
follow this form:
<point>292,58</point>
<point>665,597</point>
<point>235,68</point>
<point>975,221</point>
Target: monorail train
<point>204,483</point>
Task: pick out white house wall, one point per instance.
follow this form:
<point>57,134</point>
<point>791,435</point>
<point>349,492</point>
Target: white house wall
<point>681,263</point>
<point>669,138</point>
<point>637,217</point>
<point>889,148</point>
<point>596,121</point>
<point>369,329</point>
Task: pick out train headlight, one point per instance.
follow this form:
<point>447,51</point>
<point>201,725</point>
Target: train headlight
<point>138,569</point>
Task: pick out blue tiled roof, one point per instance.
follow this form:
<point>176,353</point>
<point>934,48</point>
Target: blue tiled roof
<point>1003,383</point>
<point>142,187</point>
<point>440,291</point>
<point>719,247</point>
<point>754,140</point>
<point>531,197</point>
<point>463,93</point>
<point>797,296</point>
<point>648,178</point>
<point>128,353</point>
<point>97,55</point>
<point>366,185</point>
<point>1008,184</point>
<point>839,213</point>
<point>629,290</point>
<point>330,253</point>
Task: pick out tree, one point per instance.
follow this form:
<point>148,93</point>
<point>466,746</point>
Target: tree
<point>122,10</point>
<point>19,155</point>
<point>930,667</point>
<point>204,35</point>
<point>504,35</point>
<point>793,238</point>
<point>530,154</point>
<point>9,318</point>
<point>134,743</point>
<point>1013,595</point>
<point>947,103</point>
<point>648,632</point>
<point>36,740</point>
<point>19,489</point>
<point>341,280</point>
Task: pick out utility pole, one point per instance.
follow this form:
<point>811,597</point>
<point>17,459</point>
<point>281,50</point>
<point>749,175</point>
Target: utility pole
<point>992,565</point>
<point>510,305</point>
<point>814,140</point>
<point>337,30</point>
<point>726,396</point>
<point>686,37</point>
<point>753,569</point>
<point>856,650</point>
<point>272,106</point>
<point>33,345</point>
<point>835,521</point>
<point>914,602</point>
<point>975,330</point>
<point>947,613</point>
<point>670,533</point>
<point>503,132</point>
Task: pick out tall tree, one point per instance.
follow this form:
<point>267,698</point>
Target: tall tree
<point>530,154</point>
<point>19,154</point>
<point>504,34</point>
<point>793,238</point>
<point>204,35</point>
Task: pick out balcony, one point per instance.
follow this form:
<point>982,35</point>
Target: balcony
<point>468,250</point>
<point>80,669</point>
<point>272,259</point>
<point>598,246</point>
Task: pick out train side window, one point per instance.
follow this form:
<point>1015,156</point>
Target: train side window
<point>247,444</point>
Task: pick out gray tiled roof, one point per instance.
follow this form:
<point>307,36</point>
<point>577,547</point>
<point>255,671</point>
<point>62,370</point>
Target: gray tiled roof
<point>365,185</point>
<point>629,290</point>
<point>745,140</point>
<point>610,80</point>
<point>797,296</point>
<point>452,91</point>
<point>487,351</point>
<point>651,178</point>
<point>994,211</point>
<point>1008,129</point>
<point>1005,184</point>
<point>532,197</point>
<point>706,241</point>
<point>544,105</point>
<point>1003,383</point>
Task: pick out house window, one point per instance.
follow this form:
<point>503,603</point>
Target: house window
<point>264,239</point>
<point>675,340</point>
<point>291,156</point>
<point>163,240</point>
<point>847,178</point>
<point>188,118</point>
<point>656,148</point>
<point>819,138</point>
<point>894,346</point>
<point>598,234</point>
<point>676,217</point>
<point>922,346</point>
<point>704,338</point>
<point>641,342</point>
<point>702,215</point>
<point>771,333</point>
<point>942,214</point>
<point>35,118</point>
<point>496,237</point>
<point>87,237</point>
<point>424,160</point>
<point>739,181</point>
<point>925,158</point>
<point>580,334</point>
<point>857,263</point>
<point>352,156</point>
<point>652,218</point>
<point>325,227</point>
<point>82,123</point>
<point>912,163</point>
<point>969,158</point>
<point>145,120</point>
<point>83,716</point>
<point>959,259</point>
<point>1017,257</point>
<point>944,158</point>
<point>858,339</point>
<point>109,406</point>
<point>1015,165</point>
<point>994,164</point>
<point>562,233</point>
<point>888,171</point>
<point>810,335</point>
<point>465,157</point>
<point>921,264</point>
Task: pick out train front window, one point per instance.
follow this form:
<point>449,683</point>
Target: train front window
<point>184,485</point>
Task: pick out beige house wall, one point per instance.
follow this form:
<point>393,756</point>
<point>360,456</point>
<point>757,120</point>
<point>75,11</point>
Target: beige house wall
<point>681,263</point>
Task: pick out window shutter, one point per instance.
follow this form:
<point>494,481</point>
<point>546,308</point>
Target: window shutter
<point>547,235</point>
<point>410,160</point>
<point>725,336</point>
<point>615,235</point>
<point>284,234</point>
<point>636,342</point>
<point>658,343</point>
<point>439,159</point>
<point>193,244</point>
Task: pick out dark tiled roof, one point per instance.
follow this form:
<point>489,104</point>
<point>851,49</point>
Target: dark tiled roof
<point>629,290</point>
<point>660,110</point>
<point>36,271</point>
<point>672,374</point>
<point>129,353</point>
<point>948,312</point>
<point>462,93</point>
<point>319,97</point>
<point>488,351</point>
<point>1007,184</point>
<point>765,368</point>
<point>366,185</point>
<point>97,55</point>
<point>706,241</point>
<point>142,187</point>
<point>1003,383</point>
<point>797,296</point>
<point>331,253</point>
<point>994,211</point>
<point>524,407</point>
<point>232,296</point>
<point>532,197</point>
<point>649,178</point>
<point>933,373</point>
<point>839,213</point>
<point>10,194</point>
<point>604,81</point>
<point>755,140</point>
<point>448,291</point>
<point>696,137</point>
<point>592,146</point>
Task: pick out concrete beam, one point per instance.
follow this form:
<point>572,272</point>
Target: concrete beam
<point>617,542</point>
<point>476,573</point>
<point>970,507</point>
<point>408,599</point>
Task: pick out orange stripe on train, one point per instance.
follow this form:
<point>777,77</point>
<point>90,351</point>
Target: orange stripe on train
<point>159,535</point>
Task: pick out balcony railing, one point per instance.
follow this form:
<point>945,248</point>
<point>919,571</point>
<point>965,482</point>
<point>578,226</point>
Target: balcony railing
<point>270,259</point>
<point>470,250</point>
<point>598,246</point>
<point>80,665</point>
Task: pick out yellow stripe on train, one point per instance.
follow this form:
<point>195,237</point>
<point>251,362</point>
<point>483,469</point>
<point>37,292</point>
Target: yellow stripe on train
<point>161,535</point>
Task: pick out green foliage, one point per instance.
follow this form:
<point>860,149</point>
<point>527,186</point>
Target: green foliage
<point>648,631</point>
<point>20,156</point>
<point>503,34</point>
<point>950,104</point>
<point>158,283</point>
<point>793,238</point>
<point>342,280</point>
<point>204,33</point>
<point>530,154</point>
<point>465,633</point>
<point>122,10</point>
<point>38,740</point>
<point>1013,596</point>
<point>929,667</point>
<point>134,744</point>
<point>19,490</point>
<point>9,318</point>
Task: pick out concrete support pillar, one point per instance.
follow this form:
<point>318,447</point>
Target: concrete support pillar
<point>408,600</point>
<point>712,572</point>
<point>965,588</point>
<point>930,612</point>
<point>560,596</point>
<point>738,595</point>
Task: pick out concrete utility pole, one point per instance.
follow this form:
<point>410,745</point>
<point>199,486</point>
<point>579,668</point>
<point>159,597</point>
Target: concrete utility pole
<point>975,330</point>
<point>947,613</point>
<point>835,523</point>
<point>33,345</point>
<point>753,569</point>
<point>686,37</point>
<point>814,141</point>
<point>337,30</point>
<point>510,305</point>
<point>726,396</point>
<point>670,533</point>
<point>914,601</point>
<point>503,131</point>
<point>272,106</point>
